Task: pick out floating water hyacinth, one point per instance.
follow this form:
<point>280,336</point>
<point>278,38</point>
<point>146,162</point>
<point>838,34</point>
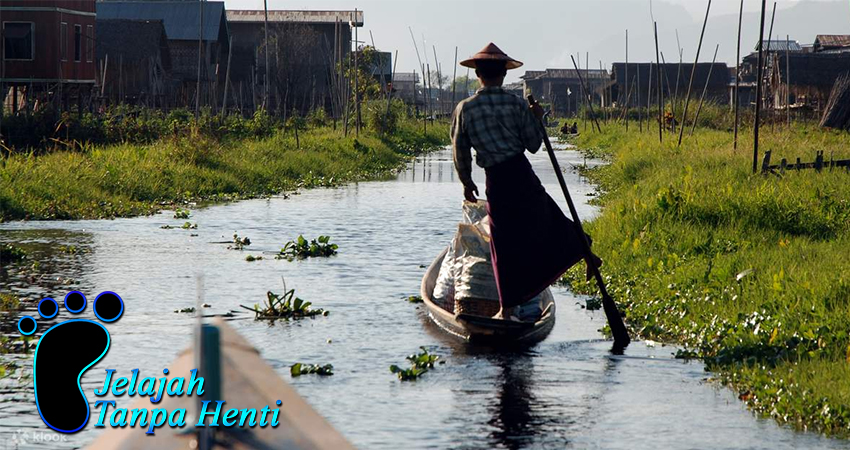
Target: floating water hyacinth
<point>302,249</point>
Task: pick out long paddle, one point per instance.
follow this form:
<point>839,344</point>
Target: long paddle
<point>615,320</point>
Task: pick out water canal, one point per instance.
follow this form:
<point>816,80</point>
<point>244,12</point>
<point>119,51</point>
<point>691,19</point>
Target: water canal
<point>565,392</point>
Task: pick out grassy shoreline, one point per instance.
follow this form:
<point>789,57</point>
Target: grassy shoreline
<point>123,180</point>
<point>748,272</point>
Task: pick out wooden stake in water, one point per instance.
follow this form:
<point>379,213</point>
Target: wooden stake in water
<point>693,73</point>
<point>738,75</point>
<point>759,82</point>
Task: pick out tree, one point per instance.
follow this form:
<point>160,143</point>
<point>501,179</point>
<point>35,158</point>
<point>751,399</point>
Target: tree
<point>460,84</point>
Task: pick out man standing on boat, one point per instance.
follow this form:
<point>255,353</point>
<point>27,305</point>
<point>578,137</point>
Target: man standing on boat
<point>532,243</point>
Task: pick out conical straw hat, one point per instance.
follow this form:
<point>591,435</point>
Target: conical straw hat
<point>491,53</point>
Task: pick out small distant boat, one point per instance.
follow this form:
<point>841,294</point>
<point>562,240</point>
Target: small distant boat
<point>479,328</point>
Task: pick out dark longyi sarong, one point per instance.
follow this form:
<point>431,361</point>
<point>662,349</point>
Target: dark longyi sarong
<point>532,243</point>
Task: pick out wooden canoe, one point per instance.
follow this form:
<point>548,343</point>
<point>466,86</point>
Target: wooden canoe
<point>477,329</point>
<point>247,382</point>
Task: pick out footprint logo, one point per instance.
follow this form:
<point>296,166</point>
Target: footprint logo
<point>64,352</point>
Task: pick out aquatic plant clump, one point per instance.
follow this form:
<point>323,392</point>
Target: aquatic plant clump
<point>181,213</point>
<point>420,363</point>
<point>299,369</point>
<point>302,249</point>
<point>286,306</point>
<point>239,243</point>
<point>10,253</point>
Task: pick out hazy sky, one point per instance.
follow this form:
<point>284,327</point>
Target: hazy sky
<point>544,33</point>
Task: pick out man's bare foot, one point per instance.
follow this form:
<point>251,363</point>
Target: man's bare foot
<point>507,314</point>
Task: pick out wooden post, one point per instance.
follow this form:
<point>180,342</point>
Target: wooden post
<point>356,74</point>
<point>589,104</point>
<point>759,82</point>
<point>693,73</point>
<point>227,78</point>
<point>390,92</point>
<point>628,81</point>
<point>705,90</point>
<point>788,79</point>
<point>200,57</point>
<point>738,76</point>
<point>660,86</point>
<point>649,99</point>
<point>454,82</point>
<point>638,102</point>
<point>669,92</point>
<point>266,51</point>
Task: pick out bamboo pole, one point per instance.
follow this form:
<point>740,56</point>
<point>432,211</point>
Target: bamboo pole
<point>759,82</point>
<point>738,76</point>
<point>589,104</point>
<point>390,93</point>
<point>454,81</point>
<point>200,56</point>
<point>639,105</point>
<point>670,92</point>
<point>227,78</point>
<point>693,73</point>
<point>788,79</point>
<point>705,90</point>
<point>266,51</point>
<point>660,87</point>
<point>679,69</point>
<point>628,81</point>
<point>356,75</point>
<point>649,99</point>
<point>768,55</point>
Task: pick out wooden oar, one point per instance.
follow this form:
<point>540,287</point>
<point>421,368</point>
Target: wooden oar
<point>615,320</point>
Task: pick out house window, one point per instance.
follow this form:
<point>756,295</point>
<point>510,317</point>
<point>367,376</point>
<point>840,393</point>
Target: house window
<point>78,43</point>
<point>89,43</point>
<point>19,40</point>
<point>63,41</point>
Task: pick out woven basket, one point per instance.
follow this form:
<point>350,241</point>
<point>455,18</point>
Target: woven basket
<point>477,307</point>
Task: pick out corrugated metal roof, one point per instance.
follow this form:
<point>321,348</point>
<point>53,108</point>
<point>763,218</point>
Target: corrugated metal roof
<point>565,74</point>
<point>832,40</point>
<point>781,46</point>
<point>181,18</point>
<point>409,77</point>
<point>238,15</point>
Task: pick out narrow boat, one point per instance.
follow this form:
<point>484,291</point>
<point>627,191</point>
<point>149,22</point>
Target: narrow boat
<point>243,380</point>
<point>482,329</point>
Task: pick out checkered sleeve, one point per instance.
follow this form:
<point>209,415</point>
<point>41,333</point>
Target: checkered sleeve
<point>532,136</point>
<point>461,147</point>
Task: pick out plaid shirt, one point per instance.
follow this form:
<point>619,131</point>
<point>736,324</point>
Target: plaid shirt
<point>498,124</point>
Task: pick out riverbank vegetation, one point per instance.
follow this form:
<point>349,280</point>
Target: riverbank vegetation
<point>747,272</point>
<point>134,163</point>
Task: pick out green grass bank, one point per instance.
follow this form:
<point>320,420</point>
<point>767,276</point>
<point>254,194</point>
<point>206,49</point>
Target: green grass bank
<point>750,273</point>
<point>133,178</point>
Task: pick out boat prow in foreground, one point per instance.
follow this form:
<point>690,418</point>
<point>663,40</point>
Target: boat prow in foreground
<point>480,329</point>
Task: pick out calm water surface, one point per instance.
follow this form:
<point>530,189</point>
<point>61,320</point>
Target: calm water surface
<point>567,392</point>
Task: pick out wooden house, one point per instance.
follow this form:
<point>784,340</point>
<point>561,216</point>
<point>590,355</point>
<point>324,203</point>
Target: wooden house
<point>832,43</point>
<point>48,46</point>
<point>562,88</point>
<point>675,78</point>
<point>134,62</point>
<point>193,28</point>
<point>304,49</point>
